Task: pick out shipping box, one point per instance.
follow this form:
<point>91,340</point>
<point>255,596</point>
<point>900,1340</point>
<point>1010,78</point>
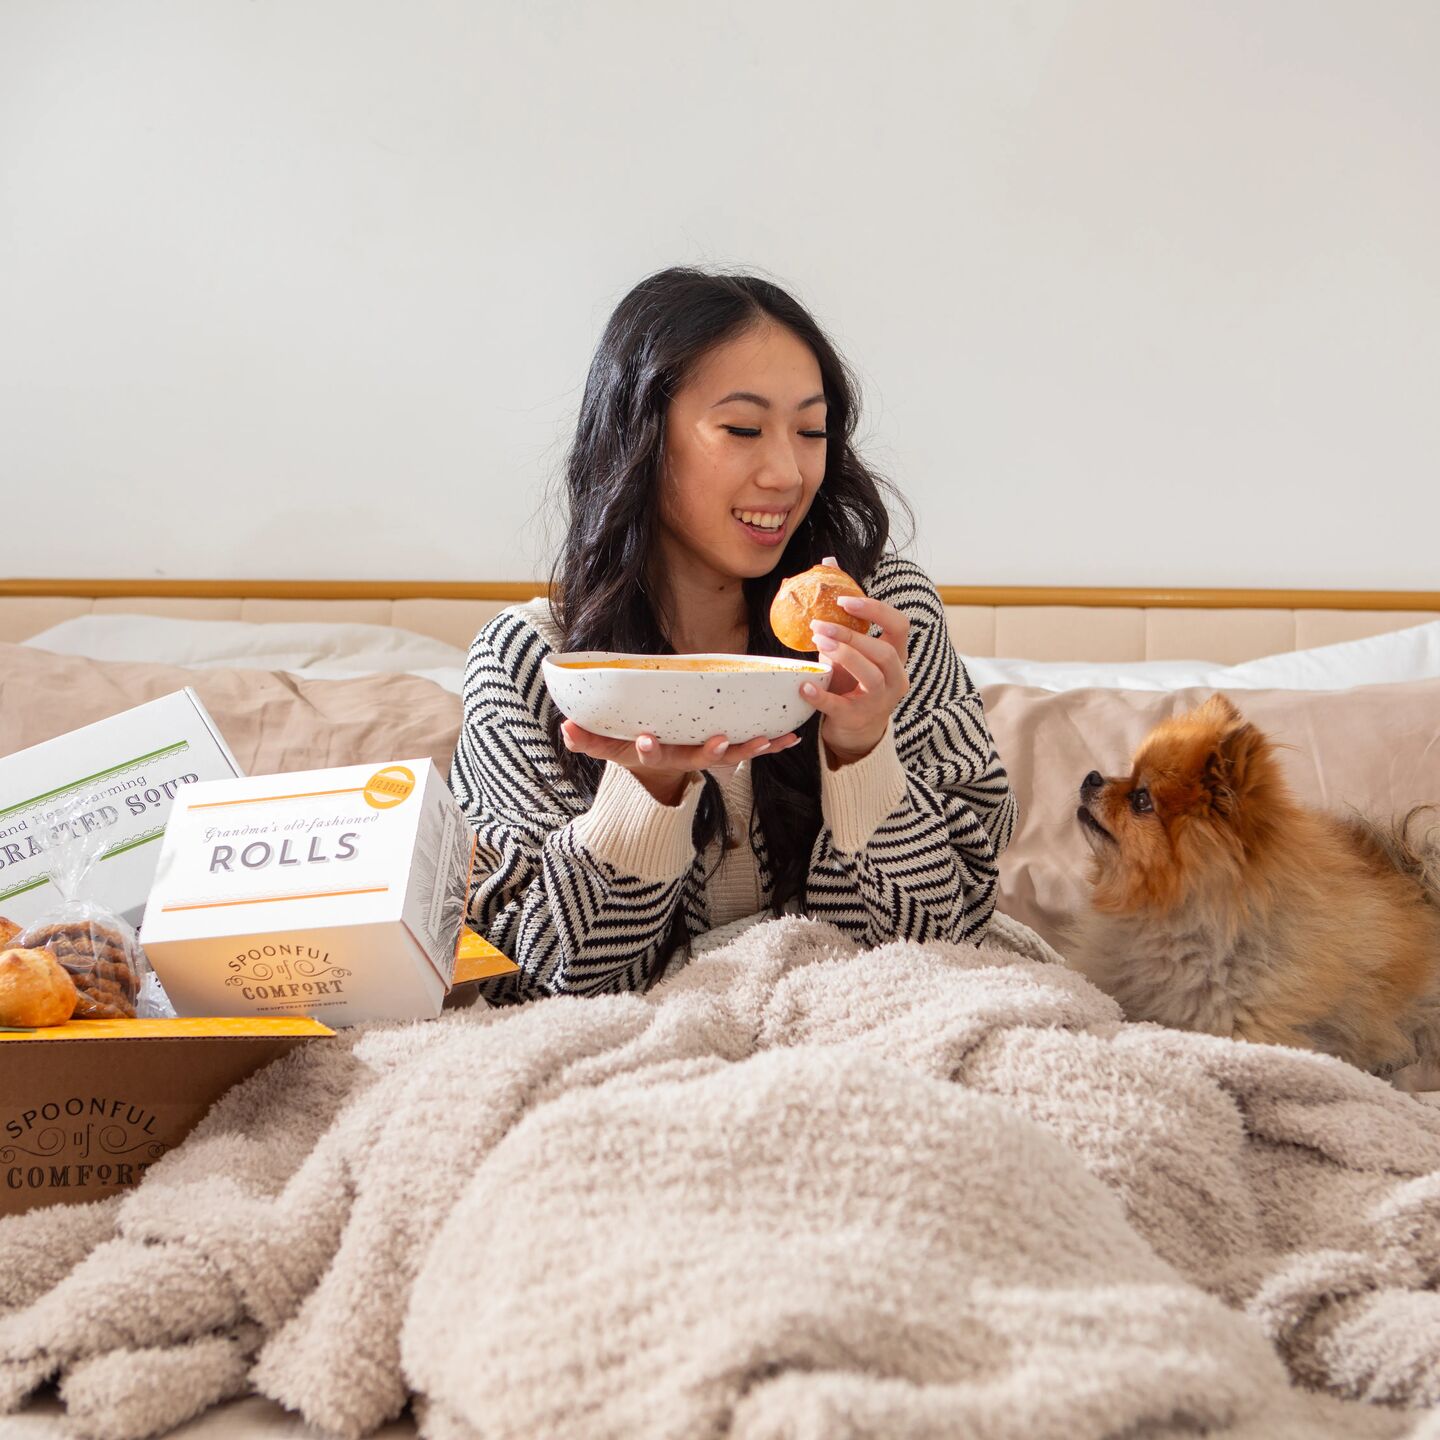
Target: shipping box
<point>335,893</point>
<point>128,769</point>
<point>479,960</point>
<point>87,1108</point>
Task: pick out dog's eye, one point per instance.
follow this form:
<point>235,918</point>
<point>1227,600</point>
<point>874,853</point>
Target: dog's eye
<point>1140,802</point>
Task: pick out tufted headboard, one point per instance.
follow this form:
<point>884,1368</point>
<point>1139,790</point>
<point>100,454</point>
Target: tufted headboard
<point>1036,623</point>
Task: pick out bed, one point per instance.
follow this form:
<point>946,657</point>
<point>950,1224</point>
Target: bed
<point>1123,1229</point>
<point>1037,623</point>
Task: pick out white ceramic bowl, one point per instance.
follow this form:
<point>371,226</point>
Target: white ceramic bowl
<point>682,707</point>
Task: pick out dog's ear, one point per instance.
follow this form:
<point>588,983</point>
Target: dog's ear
<point>1238,761</point>
<point>1219,710</point>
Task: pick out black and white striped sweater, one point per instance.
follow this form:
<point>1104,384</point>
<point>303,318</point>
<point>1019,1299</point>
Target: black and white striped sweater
<point>583,899</point>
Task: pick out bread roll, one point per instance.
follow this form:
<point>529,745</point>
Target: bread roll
<point>35,989</point>
<point>812,596</point>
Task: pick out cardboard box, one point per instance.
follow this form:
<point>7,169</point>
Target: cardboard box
<point>478,960</point>
<point>336,893</point>
<point>132,766</point>
<point>87,1108</point>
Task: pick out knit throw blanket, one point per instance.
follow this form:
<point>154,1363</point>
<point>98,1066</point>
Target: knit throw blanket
<point>801,1189</point>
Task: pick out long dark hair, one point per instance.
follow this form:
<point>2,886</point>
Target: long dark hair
<point>613,473</point>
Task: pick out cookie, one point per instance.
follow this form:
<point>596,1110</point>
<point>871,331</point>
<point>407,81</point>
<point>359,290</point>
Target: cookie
<point>98,961</point>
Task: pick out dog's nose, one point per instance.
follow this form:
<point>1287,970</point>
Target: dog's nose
<point>1093,781</point>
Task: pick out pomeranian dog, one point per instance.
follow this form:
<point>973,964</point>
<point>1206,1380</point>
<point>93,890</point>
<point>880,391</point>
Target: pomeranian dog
<point>1220,903</point>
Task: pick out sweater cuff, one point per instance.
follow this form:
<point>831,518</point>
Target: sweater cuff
<point>627,827</point>
<point>859,797</point>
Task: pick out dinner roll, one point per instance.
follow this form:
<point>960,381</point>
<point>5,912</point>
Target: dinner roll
<point>35,989</point>
<point>812,596</point>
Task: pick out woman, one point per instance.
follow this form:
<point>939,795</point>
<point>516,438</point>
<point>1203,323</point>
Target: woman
<point>713,457</point>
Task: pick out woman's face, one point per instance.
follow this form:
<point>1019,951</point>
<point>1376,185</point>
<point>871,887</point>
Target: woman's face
<point>744,454</point>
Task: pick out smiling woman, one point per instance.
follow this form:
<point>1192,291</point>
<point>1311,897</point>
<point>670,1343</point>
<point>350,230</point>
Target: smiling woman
<point>765,451</point>
<point>714,457</point>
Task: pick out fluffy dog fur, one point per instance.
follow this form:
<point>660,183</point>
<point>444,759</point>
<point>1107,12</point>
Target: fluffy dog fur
<point>1220,903</point>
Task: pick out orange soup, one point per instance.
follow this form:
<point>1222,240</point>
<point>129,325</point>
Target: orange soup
<point>686,663</point>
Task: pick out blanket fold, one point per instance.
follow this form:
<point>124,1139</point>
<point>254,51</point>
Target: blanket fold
<point>800,1189</point>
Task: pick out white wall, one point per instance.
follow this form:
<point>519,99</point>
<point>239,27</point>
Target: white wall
<point>1146,291</point>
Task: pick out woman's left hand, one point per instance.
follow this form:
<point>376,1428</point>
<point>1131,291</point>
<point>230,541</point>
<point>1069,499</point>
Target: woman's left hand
<point>868,680</point>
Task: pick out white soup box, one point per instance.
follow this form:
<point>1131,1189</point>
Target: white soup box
<point>127,769</point>
<point>333,893</point>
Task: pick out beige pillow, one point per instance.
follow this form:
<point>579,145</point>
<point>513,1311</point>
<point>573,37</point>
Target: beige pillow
<point>1375,748</point>
<point>273,722</point>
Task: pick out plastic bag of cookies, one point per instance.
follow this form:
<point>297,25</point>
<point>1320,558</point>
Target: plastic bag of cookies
<point>98,949</point>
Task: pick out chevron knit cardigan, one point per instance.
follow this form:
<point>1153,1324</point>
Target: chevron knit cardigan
<point>583,899</point>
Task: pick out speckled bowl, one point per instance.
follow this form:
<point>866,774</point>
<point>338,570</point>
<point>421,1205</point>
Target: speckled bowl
<point>683,707</point>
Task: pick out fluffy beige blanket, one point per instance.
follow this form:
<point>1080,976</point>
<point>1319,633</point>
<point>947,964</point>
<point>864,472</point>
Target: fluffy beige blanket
<point>800,1190</point>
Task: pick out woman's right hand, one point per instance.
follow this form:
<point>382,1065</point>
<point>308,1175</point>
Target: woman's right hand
<point>664,769</point>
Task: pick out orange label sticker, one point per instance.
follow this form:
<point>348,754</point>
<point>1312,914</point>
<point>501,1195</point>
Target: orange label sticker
<point>389,787</point>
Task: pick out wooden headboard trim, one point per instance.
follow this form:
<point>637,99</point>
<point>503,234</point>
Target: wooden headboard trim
<point>1169,599</point>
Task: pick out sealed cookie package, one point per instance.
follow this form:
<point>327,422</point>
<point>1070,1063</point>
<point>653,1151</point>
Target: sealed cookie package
<point>99,950</point>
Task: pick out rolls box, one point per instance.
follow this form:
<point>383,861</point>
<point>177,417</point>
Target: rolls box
<point>333,893</point>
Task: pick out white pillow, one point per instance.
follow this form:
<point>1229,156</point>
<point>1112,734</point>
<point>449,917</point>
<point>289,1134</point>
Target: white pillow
<point>319,649</point>
<point>1389,659</point>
